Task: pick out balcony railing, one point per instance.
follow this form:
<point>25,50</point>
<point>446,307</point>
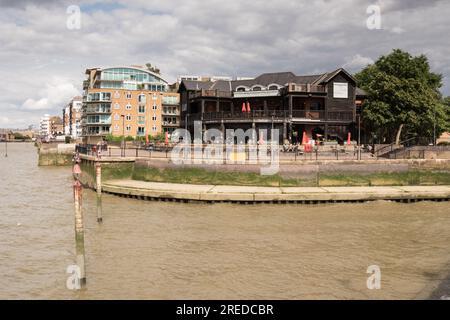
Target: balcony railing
<point>211,93</point>
<point>309,114</point>
<point>317,115</point>
<point>308,88</point>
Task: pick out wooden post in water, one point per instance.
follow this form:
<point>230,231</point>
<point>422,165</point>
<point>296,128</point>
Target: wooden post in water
<point>98,175</point>
<point>79,231</point>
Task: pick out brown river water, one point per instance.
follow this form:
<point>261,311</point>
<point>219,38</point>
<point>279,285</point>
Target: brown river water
<point>159,250</point>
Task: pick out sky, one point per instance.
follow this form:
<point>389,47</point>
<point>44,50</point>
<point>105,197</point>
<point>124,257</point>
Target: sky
<point>45,46</point>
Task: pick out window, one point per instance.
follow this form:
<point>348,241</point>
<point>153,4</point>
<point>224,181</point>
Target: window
<point>315,106</point>
<point>141,98</point>
<point>155,107</point>
<point>141,109</point>
<point>128,95</point>
<point>128,128</point>
<point>154,97</point>
<point>141,119</point>
<point>141,131</point>
<point>257,88</point>
<point>154,118</point>
<point>273,87</point>
<point>240,89</point>
<point>117,95</point>
<point>128,117</point>
<point>154,128</point>
<point>128,107</point>
<point>116,127</point>
<point>116,106</point>
<point>116,116</point>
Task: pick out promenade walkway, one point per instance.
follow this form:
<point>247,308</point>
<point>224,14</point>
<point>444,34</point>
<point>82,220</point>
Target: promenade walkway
<point>250,194</point>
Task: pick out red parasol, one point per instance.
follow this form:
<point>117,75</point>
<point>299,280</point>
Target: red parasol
<point>349,138</point>
<point>305,139</point>
<point>167,138</point>
<point>248,107</point>
<point>243,107</point>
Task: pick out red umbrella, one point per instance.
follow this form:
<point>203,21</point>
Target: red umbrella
<point>243,107</point>
<point>167,138</point>
<point>349,138</point>
<point>305,138</point>
<point>248,107</point>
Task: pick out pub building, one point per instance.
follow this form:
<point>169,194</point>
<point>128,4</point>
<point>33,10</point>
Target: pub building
<point>324,106</point>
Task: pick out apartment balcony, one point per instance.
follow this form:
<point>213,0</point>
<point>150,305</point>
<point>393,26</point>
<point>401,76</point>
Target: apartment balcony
<point>170,124</point>
<point>95,123</point>
<point>170,113</point>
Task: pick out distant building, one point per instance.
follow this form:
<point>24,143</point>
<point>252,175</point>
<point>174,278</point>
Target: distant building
<point>50,127</point>
<point>44,126</point>
<point>130,101</point>
<point>203,78</point>
<point>6,135</point>
<point>72,118</point>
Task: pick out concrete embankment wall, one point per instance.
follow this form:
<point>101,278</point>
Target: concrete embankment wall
<point>54,154</point>
<point>110,171</point>
<point>302,169</point>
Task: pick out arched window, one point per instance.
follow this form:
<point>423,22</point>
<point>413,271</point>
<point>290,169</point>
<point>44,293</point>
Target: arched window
<point>273,87</point>
<point>240,89</point>
<point>256,88</point>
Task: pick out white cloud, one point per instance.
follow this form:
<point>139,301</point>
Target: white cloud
<point>358,62</point>
<point>54,96</point>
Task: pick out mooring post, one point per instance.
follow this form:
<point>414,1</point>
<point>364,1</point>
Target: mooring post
<point>98,174</point>
<point>79,231</point>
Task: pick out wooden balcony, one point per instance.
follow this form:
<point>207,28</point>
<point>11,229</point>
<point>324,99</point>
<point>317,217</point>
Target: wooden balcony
<point>211,93</point>
<point>276,115</point>
<point>305,88</point>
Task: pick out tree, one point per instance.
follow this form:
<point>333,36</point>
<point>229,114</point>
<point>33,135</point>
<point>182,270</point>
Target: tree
<point>153,68</point>
<point>403,97</point>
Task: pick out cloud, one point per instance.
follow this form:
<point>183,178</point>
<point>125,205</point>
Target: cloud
<point>53,96</point>
<point>358,62</point>
<point>44,62</point>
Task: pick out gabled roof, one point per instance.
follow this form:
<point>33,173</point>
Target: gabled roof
<point>265,79</point>
<point>328,76</point>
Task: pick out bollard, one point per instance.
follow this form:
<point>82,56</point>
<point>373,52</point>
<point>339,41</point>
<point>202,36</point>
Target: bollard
<point>98,174</point>
<point>79,231</point>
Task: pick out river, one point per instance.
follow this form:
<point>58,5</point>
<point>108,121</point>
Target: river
<point>162,250</point>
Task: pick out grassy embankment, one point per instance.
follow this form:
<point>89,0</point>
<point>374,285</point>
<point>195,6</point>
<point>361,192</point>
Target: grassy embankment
<point>200,176</point>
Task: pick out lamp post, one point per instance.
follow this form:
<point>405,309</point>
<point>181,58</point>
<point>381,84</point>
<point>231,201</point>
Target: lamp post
<point>6,145</point>
<point>359,136</point>
<point>123,135</point>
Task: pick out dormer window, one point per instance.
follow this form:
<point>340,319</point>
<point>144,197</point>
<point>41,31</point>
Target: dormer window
<point>273,87</point>
<point>257,88</point>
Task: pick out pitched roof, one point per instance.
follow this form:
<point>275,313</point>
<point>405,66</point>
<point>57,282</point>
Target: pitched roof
<point>360,92</point>
<point>265,79</point>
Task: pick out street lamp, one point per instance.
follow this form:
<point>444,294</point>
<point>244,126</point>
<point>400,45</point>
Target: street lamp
<point>359,136</point>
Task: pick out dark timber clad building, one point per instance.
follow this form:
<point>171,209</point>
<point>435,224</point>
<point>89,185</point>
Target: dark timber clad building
<point>323,104</point>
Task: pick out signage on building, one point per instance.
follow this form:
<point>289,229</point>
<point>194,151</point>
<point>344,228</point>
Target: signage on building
<point>340,90</point>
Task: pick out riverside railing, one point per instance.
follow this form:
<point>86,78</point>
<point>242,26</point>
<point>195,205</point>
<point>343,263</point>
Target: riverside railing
<point>286,153</point>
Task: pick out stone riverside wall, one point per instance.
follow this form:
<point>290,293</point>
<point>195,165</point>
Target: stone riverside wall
<point>51,154</point>
<point>309,169</point>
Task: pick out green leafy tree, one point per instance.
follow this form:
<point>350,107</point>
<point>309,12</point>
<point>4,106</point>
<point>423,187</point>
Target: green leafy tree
<point>403,97</point>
